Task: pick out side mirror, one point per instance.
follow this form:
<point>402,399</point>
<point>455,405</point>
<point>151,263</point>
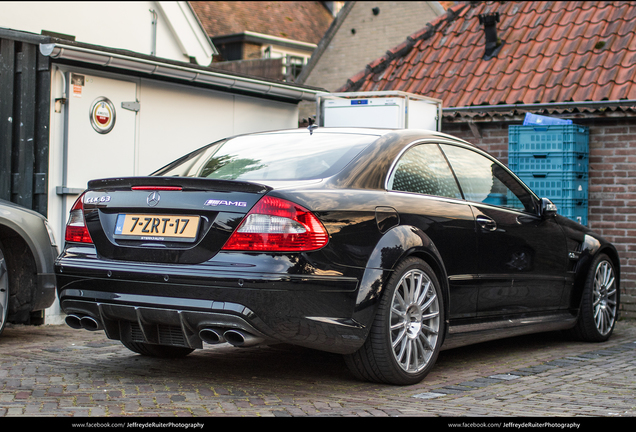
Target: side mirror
<point>548,208</point>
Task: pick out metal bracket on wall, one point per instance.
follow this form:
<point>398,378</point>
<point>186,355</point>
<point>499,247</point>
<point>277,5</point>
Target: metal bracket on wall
<point>131,106</point>
<point>63,190</point>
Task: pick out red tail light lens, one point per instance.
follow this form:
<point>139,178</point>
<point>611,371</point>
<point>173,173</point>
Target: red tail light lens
<point>278,225</point>
<point>76,230</point>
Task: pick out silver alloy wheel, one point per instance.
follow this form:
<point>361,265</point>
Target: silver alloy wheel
<point>415,321</point>
<point>4,291</point>
<point>605,297</point>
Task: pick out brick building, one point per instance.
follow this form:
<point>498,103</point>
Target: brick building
<point>574,60</point>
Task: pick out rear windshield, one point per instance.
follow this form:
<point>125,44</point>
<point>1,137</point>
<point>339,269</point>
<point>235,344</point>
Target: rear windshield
<point>271,157</point>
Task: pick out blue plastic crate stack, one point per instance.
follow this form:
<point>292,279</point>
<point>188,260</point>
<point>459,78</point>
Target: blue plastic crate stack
<point>553,160</point>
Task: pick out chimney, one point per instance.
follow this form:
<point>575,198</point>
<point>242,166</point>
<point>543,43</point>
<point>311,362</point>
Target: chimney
<point>493,42</point>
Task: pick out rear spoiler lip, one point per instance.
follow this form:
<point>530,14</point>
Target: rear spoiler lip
<point>186,183</point>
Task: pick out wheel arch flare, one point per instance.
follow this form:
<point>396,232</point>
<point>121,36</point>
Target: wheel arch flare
<point>396,245</point>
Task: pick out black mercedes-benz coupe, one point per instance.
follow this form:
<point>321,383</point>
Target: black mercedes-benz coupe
<point>385,246</point>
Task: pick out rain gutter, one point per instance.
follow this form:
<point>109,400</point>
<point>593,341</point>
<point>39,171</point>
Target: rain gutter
<point>181,72</point>
<point>539,106</point>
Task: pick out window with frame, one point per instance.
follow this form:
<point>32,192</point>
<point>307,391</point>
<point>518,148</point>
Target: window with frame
<point>294,67</point>
<point>485,181</point>
<point>423,169</point>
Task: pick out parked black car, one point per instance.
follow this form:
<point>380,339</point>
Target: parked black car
<point>27,256</point>
<point>382,245</point>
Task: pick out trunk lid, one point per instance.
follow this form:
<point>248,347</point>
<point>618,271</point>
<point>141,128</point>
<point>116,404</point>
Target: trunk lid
<point>166,219</point>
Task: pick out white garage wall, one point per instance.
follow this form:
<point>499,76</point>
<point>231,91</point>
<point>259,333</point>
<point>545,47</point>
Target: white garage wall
<point>124,25</point>
<point>176,119</point>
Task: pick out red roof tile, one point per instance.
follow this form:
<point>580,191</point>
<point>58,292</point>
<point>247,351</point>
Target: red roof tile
<point>553,51</point>
<point>305,21</point>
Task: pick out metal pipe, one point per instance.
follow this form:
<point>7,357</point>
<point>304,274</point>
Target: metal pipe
<point>241,339</point>
<point>212,336</point>
<point>73,321</point>
<point>90,323</point>
<point>153,36</point>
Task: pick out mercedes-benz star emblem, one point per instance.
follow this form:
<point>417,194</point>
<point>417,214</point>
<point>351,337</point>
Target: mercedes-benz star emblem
<point>153,199</point>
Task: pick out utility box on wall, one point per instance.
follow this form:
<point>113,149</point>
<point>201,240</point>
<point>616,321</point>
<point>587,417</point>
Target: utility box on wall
<point>553,161</point>
<point>390,109</point>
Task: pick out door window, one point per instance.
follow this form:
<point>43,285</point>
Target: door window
<point>484,180</point>
<point>423,169</point>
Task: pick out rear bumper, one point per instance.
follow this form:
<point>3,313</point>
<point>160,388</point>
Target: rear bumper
<point>171,305</point>
<point>141,320</point>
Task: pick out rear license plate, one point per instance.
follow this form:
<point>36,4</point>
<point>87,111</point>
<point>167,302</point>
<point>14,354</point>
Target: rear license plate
<point>157,227</point>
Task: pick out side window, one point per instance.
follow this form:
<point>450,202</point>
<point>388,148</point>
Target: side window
<point>483,180</point>
<point>423,169</point>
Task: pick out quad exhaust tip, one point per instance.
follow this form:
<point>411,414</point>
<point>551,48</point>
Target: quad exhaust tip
<point>73,321</point>
<point>208,335</point>
<point>212,336</point>
<point>236,338</point>
<point>83,322</point>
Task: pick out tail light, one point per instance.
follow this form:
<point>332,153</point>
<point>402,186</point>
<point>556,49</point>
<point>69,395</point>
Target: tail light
<point>278,225</point>
<point>76,230</point>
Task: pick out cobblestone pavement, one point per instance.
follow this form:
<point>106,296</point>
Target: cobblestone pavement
<point>57,371</point>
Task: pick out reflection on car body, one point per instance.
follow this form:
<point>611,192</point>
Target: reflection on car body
<point>385,246</point>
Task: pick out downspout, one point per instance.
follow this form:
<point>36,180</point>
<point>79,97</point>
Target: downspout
<point>153,36</point>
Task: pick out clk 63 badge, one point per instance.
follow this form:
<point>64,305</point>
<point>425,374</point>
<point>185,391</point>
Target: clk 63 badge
<point>214,203</point>
<point>97,200</point>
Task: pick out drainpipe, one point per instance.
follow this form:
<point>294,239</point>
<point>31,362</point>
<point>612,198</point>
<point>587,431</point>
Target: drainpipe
<point>153,37</point>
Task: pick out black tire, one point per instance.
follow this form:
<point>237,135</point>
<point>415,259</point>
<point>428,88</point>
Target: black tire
<point>4,290</point>
<point>160,351</point>
<point>414,326</point>
<point>599,302</point>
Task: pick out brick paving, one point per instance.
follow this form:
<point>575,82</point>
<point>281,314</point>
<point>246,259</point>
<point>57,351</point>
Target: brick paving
<point>57,371</point>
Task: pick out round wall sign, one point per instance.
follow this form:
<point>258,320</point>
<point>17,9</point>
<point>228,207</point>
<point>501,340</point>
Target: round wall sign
<point>102,115</point>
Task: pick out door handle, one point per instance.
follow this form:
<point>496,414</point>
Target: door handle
<point>486,223</point>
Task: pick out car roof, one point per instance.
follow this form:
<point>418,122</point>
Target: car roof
<point>362,131</point>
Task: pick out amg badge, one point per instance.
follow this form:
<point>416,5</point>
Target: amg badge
<point>214,203</point>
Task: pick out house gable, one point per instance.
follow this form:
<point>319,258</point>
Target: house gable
<point>362,31</point>
<point>167,30</point>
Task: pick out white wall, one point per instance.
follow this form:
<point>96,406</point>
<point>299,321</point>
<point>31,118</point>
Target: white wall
<point>180,118</point>
<point>123,25</point>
